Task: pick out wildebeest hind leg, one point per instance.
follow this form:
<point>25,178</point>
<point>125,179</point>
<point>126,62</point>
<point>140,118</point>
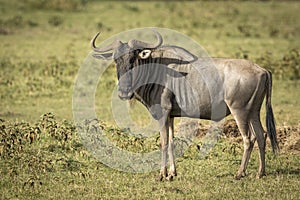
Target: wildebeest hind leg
<point>261,140</point>
<point>242,121</point>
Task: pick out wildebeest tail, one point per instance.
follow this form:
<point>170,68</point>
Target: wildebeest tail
<point>270,121</point>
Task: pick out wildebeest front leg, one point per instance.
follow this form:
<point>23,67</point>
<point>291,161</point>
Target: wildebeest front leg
<point>172,171</point>
<point>164,123</point>
<point>164,139</point>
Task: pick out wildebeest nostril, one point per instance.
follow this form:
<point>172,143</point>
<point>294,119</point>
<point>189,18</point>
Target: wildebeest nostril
<point>126,89</point>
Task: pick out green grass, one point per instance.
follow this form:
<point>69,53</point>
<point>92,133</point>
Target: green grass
<point>43,45</point>
<point>50,165</point>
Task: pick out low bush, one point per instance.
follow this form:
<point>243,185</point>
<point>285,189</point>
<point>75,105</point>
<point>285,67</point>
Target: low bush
<point>286,68</point>
<point>60,5</point>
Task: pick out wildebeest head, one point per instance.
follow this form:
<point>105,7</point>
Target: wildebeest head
<point>126,57</point>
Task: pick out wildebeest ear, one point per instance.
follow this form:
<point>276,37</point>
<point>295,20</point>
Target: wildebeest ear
<point>103,56</point>
<point>175,52</point>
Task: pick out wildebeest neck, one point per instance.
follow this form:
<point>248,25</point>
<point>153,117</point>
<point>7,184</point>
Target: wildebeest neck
<point>150,81</point>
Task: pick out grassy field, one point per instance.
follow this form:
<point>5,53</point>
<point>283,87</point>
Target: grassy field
<point>44,43</point>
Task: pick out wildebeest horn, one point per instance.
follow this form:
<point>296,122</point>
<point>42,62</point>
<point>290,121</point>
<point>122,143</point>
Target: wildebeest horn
<point>140,44</point>
<point>110,47</point>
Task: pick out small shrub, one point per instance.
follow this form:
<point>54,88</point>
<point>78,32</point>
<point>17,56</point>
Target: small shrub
<point>288,67</point>
<point>60,5</point>
<point>243,54</point>
<point>55,20</point>
<point>248,31</point>
<point>4,31</point>
<point>274,32</point>
<point>32,23</point>
<point>132,8</point>
<point>16,21</point>
<point>8,25</point>
<point>15,136</point>
<point>60,131</point>
<point>291,64</point>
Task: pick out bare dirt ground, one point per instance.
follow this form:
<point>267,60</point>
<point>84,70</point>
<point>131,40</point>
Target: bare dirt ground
<point>288,136</point>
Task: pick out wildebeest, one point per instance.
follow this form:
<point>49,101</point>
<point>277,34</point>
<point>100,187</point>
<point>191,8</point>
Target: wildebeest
<point>172,82</point>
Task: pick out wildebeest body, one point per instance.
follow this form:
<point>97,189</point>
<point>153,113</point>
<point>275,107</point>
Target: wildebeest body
<point>195,86</point>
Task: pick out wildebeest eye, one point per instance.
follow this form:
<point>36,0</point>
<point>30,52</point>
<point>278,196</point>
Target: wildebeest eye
<point>145,54</point>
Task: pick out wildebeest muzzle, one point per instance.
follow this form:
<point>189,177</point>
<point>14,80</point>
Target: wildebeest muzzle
<point>125,89</point>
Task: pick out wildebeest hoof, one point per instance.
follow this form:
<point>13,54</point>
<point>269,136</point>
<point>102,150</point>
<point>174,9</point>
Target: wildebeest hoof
<point>159,178</point>
<point>163,173</point>
<point>170,177</point>
<point>260,175</point>
<point>240,175</point>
